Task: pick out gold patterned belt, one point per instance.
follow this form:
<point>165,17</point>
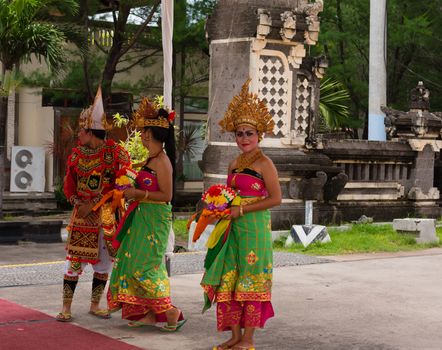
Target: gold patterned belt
<point>250,200</point>
<point>151,201</point>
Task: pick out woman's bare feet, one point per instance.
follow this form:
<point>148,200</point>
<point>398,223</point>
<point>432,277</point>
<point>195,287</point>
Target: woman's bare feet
<point>227,345</point>
<point>172,316</point>
<point>242,345</point>
<point>148,320</point>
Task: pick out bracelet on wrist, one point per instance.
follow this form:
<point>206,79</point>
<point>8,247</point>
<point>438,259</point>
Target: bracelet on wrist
<point>241,210</point>
<point>146,194</point>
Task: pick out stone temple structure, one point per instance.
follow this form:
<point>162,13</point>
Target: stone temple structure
<point>268,42</point>
<point>422,131</point>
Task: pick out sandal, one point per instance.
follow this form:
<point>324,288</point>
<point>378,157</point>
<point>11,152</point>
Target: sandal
<point>135,324</point>
<point>100,314</point>
<point>174,328</point>
<point>240,347</point>
<point>222,347</point>
<point>64,317</point>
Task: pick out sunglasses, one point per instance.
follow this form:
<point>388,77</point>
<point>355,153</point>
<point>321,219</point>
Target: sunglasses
<point>247,133</point>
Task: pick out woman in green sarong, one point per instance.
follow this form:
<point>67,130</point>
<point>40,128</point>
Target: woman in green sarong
<point>139,284</point>
<point>238,273</point>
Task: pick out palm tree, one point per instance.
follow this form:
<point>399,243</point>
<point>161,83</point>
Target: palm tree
<point>24,35</point>
<point>334,104</point>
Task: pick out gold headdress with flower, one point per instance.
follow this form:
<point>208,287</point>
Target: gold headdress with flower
<point>94,117</point>
<point>247,108</point>
<point>147,114</point>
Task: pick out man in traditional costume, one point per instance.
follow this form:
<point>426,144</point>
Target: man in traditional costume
<point>90,174</point>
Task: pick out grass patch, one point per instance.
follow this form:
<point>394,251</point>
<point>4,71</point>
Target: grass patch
<point>180,229</point>
<point>361,238</point>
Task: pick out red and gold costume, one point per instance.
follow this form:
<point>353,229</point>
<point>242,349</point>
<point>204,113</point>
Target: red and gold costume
<point>90,174</point>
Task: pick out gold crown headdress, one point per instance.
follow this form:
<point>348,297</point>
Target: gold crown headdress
<point>94,117</point>
<point>247,108</point>
<point>147,114</point>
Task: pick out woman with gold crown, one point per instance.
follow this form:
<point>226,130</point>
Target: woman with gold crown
<point>139,284</point>
<point>238,273</point>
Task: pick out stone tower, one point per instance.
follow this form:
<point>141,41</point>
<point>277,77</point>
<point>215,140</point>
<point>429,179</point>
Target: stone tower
<point>268,41</point>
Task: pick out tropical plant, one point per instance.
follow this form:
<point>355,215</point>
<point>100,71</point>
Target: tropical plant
<point>191,137</point>
<point>22,36</point>
<point>132,144</point>
<point>334,101</point>
<point>10,81</point>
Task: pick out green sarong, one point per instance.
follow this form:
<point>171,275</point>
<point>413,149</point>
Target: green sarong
<point>139,275</point>
<point>243,266</point>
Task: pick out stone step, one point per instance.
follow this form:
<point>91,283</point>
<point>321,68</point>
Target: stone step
<point>47,231</point>
<point>33,204</point>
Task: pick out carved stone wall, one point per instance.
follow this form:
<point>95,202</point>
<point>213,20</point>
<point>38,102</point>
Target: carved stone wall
<point>267,42</point>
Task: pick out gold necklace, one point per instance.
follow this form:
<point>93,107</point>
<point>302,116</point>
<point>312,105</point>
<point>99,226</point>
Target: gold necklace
<point>245,160</point>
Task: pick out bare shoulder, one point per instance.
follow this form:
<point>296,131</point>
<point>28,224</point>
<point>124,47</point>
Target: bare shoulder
<point>164,162</point>
<point>232,165</point>
<point>264,164</point>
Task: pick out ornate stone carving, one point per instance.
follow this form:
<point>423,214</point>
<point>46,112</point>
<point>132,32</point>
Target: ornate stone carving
<point>308,189</point>
<point>313,9</point>
<point>288,29</point>
<point>264,24</point>
<point>303,106</point>
<point>420,98</point>
<point>418,122</point>
<point>419,126</point>
<point>273,89</point>
<point>297,53</point>
<point>258,44</point>
<point>416,193</point>
<point>313,23</point>
<point>335,186</point>
<point>320,64</point>
<point>419,145</point>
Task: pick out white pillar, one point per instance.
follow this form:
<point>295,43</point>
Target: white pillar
<point>167,39</point>
<point>308,215</point>
<point>377,89</point>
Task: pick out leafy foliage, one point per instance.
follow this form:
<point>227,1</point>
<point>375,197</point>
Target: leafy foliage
<point>133,145</point>
<point>10,81</point>
<point>334,103</point>
<point>22,33</point>
<point>191,137</point>
<point>413,47</point>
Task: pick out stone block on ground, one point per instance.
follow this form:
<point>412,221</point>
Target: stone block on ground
<point>307,234</point>
<point>424,229</point>
<point>12,231</point>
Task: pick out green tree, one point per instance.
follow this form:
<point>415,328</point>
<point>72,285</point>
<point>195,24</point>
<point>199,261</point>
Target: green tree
<point>344,39</point>
<point>413,49</point>
<point>22,36</point>
<point>414,46</point>
<point>191,62</point>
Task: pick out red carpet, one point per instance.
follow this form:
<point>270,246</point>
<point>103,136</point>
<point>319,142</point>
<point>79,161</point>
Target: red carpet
<point>22,328</point>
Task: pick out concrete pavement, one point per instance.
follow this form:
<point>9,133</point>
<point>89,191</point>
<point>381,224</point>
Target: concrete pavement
<point>385,302</point>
